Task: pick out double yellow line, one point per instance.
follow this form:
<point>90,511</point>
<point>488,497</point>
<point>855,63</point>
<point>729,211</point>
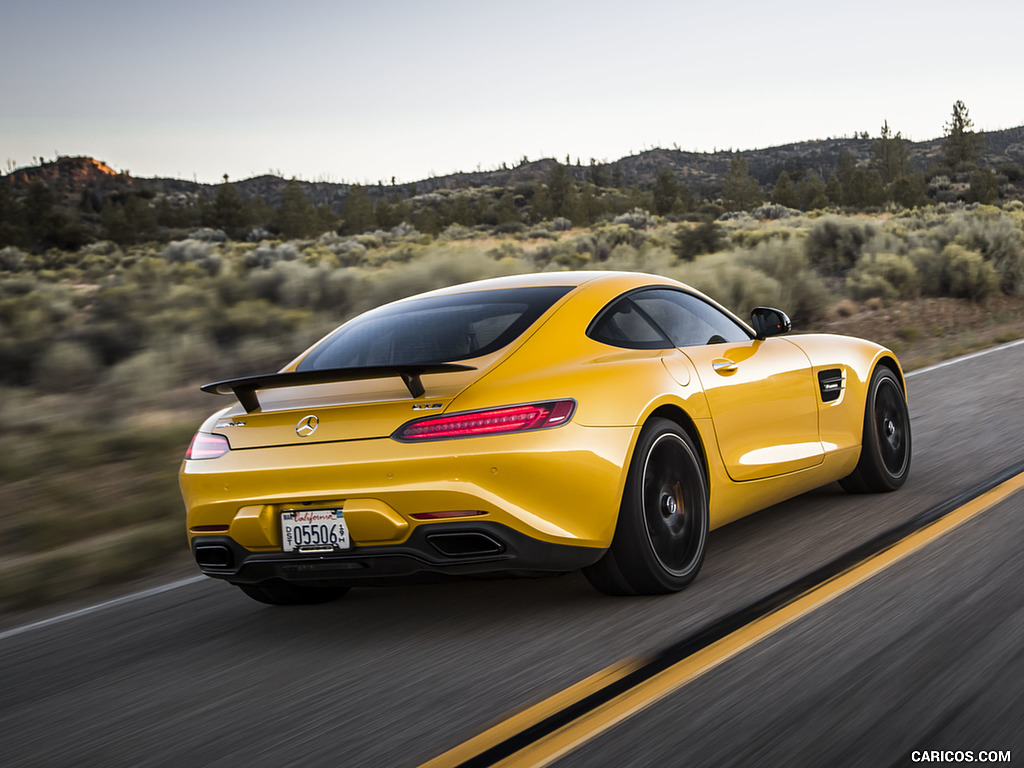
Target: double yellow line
<point>509,744</point>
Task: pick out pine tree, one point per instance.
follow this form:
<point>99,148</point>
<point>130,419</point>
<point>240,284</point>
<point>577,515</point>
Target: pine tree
<point>358,211</point>
<point>740,190</point>
<point>540,204</point>
<point>784,192</point>
<point>230,211</point>
<point>891,155</point>
<point>296,216</point>
<point>666,190</point>
<point>559,182</point>
<point>832,191</point>
<point>814,195</point>
<point>962,146</point>
<point>12,218</point>
<point>984,187</point>
<point>597,174</point>
<point>505,211</point>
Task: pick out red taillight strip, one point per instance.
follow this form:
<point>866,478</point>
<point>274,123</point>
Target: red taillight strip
<point>493,421</point>
<point>206,446</point>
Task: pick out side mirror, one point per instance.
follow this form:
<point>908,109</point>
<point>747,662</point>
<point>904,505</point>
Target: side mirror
<point>769,322</point>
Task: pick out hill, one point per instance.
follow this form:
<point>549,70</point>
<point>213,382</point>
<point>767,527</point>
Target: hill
<point>703,172</point>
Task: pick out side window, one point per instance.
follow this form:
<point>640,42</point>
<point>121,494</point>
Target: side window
<point>623,325</point>
<point>687,320</point>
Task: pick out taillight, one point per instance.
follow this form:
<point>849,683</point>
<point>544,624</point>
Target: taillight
<point>493,421</point>
<point>205,446</point>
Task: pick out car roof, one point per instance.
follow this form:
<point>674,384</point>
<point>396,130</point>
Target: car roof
<point>625,280</point>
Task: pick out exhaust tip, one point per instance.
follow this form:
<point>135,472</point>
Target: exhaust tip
<point>213,556</point>
<point>466,544</point>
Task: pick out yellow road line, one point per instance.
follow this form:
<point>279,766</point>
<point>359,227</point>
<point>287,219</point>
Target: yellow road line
<point>550,748</point>
<point>560,742</point>
<point>533,715</point>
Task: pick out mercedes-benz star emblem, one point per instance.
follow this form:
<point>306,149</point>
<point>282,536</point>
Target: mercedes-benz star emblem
<point>307,425</point>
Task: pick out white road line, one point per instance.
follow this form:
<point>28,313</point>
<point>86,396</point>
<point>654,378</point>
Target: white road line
<point>193,579</point>
<point>140,595</point>
<point>964,358</point>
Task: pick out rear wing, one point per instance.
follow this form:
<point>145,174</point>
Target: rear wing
<point>245,388</point>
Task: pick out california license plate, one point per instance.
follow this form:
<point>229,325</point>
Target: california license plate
<point>314,530</point>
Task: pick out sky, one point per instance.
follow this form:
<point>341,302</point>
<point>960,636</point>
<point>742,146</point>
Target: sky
<point>403,89</point>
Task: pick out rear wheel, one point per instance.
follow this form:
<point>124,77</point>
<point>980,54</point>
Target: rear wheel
<point>661,534</point>
<point>885,446</point>
<point>286,593</point>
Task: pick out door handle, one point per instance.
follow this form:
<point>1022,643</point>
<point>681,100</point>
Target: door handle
<point>722,365</point>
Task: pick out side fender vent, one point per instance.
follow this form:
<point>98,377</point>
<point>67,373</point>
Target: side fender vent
<point>830,381</point>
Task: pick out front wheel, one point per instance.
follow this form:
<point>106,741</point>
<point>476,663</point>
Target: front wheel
<point>662,530</point>
<point>885,445</point>
<point>285,593</point>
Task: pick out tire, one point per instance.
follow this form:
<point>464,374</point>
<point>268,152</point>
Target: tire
<point>885,445</point>
<point>286,593</point>
<point>661,534</point>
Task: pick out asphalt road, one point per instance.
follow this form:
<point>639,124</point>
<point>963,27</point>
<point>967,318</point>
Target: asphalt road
<point>929,654</point>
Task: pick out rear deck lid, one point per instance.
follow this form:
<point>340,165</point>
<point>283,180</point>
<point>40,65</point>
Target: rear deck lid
<point>383,368</point>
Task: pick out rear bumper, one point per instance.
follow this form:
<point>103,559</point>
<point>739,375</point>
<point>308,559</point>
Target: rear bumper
<point>562,486</point>
<point>435,552</point>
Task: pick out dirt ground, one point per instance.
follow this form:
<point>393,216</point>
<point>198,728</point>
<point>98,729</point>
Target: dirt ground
<point>925,331</point>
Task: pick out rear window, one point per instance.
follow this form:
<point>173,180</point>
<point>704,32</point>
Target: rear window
<point>439,329</point>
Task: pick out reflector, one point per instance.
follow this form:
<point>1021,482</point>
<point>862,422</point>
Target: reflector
<point>445,515</point>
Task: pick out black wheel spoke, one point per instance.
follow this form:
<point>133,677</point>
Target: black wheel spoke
<point>673,495</point>
<point>891,427</point>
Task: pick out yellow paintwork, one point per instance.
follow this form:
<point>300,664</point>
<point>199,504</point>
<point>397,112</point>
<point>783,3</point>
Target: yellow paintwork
<point>762,427</point>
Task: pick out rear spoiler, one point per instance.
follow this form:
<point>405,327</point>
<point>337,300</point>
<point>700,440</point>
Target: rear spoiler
<point>245,388</point>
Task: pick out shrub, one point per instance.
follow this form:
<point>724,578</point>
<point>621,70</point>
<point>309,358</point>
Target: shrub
<point>561,224</point>
<point>506,250</point>
<point>748,238</point>
<point>209,235</point>
<point>930,271</point>
<point>772,211</point>
<point>456,232</point>
<point>991,233</point>
<point>690,242</point>
<point>437,267</point>
<point>203,254</point>
<point>969,276</point>
<point>834,245</point>
<point>846,308</point>
<point>637,218</point>
<point>11,259</point>
<point>885,275</point>
<point>67,366</point>
<point>802,294</point>
<point>267,254</point>
<point>619,233</point>
<point>738,287</point>
<point>509,228</point>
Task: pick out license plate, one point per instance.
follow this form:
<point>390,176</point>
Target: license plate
<point>314,530</point>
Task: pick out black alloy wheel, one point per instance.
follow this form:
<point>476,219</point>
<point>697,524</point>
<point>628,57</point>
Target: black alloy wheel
<point>661,534</point>
<point>885,444</point>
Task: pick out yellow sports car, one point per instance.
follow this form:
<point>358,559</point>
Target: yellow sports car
<point>530,425</point>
